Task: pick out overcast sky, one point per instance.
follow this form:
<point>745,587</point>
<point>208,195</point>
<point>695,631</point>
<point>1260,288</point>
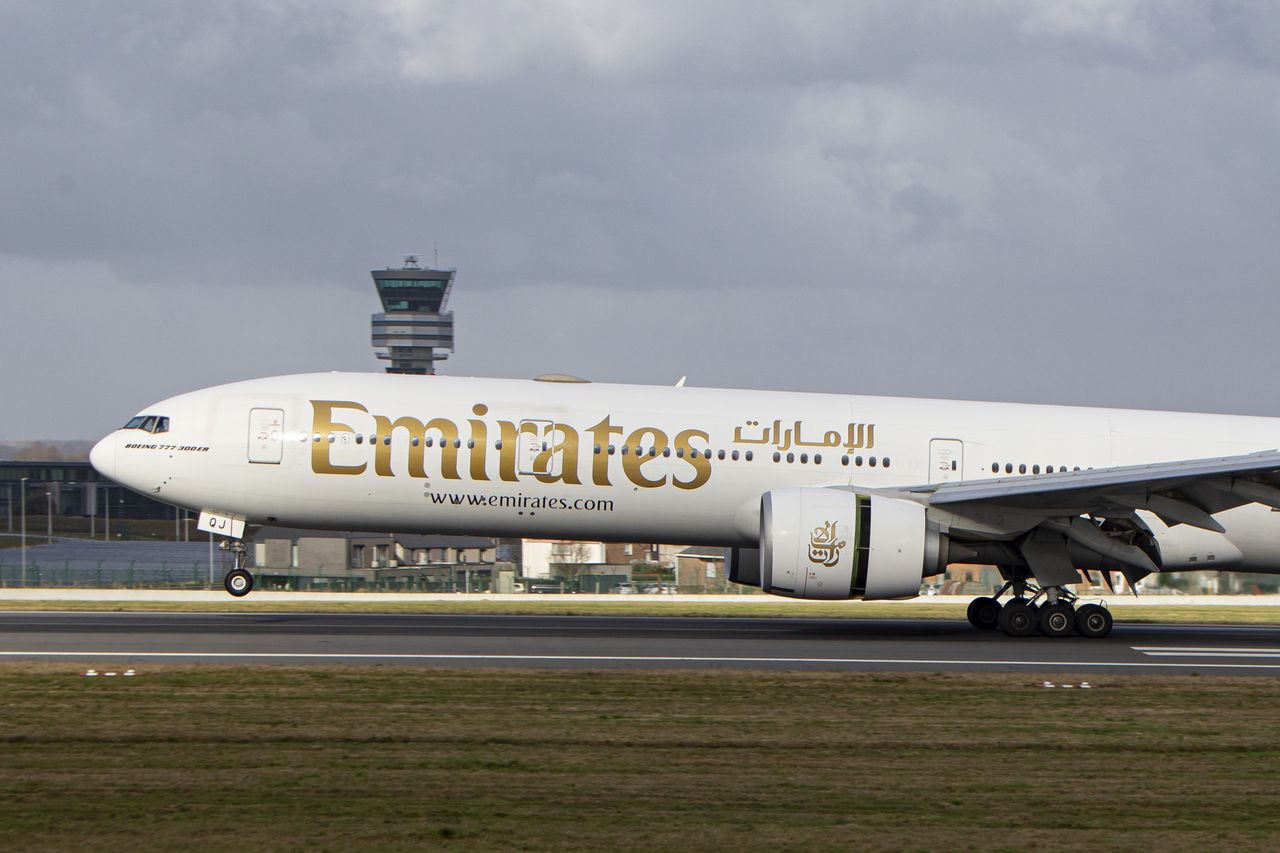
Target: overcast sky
<point>1069,202</point>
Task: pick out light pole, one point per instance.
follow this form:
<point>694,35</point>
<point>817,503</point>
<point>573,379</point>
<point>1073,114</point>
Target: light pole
<point>22,498</point>
<point>8,503</point>
<point>48,508</point>
<point>106,513</point>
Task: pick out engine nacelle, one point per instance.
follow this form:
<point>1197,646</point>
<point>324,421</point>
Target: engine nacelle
<point>836,544</point>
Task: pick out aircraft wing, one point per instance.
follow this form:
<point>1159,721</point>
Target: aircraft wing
<point>1041,515</point>
<point>1183,492</point>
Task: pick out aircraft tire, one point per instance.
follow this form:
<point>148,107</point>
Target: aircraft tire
<point>1018,618</point>
<point>238,582</point>
<point>984,613</point>
<point>1057,619</point>
<point>1094,621</point>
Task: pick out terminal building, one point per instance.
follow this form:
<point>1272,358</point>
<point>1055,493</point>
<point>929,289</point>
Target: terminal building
<point>70,489</point>
<point>414,330</point>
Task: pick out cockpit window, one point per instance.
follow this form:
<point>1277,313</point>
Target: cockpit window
<point>149,423</point>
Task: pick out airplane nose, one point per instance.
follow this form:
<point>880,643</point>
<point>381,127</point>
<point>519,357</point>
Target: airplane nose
<point>103,457</point>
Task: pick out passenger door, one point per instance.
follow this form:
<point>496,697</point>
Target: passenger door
<point>535,449</point>
<point>946,460</point>
<point>266,436</point>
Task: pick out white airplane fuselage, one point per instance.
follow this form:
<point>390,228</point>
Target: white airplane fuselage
<point>631,463</point>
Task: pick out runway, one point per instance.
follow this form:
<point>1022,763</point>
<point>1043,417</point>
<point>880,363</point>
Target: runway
<point>622,642</point>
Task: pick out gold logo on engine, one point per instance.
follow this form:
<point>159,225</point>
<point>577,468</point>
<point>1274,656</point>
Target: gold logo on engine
<point>824,547</point>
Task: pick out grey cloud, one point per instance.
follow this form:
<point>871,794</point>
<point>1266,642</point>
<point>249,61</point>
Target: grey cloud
<point>1065,202</point>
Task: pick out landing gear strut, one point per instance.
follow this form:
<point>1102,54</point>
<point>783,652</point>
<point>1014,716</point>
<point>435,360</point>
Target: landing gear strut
<point>238,581</point>
<point>1051,611</point>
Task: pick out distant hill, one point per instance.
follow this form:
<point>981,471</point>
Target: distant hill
<point>45,451</point>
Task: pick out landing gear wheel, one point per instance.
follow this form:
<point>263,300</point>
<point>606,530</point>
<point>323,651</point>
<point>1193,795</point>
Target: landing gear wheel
<point>1093,620</point>
<point>238,582</point>
<point>1018,618</point>
<point>1057,619</point>
<point>984,613</point>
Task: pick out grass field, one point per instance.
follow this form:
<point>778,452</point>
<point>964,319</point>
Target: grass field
<point>567,606</point>
<point>388,758</point>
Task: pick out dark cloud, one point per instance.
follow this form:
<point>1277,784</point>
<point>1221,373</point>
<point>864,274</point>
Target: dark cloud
<point>1062,201</point>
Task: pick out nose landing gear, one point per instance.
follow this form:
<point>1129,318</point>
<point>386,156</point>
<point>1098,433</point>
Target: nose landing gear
<point>238,581</point>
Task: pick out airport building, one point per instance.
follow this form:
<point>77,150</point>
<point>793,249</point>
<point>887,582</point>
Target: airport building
<point>317,560</point>
<point>70,489</point>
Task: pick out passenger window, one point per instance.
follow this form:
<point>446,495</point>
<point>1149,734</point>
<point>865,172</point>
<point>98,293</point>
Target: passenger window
<point>857,461</point>
<point>844,460</point>
<point>777,457</point>
<point>804,458</point>
<point>750,455</point>
<point>1035,469</point>
<point>817,459</point>
<point>995,467</point>
<point>791,457</point>
<point>720,455</point>
<point>1022,469</point>
<point>885,463</point>
<point>872,462</point>
<point>1008,467</point>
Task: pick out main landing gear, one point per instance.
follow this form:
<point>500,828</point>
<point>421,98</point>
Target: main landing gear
<point>1051,611</point>
<point>238,581</point>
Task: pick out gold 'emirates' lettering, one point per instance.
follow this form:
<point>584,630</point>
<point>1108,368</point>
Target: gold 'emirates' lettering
<point>553,457</point>
<point>323,424</point>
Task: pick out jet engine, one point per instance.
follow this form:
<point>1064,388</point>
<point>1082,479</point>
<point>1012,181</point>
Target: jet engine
<point>837,544</point>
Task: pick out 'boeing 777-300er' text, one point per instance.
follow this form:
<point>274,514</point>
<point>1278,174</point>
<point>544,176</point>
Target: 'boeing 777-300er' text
<point>818,496</point>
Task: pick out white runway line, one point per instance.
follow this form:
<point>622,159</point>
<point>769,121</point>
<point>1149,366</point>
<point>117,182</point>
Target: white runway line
<point>1194,651</point>
<point>628,659</point>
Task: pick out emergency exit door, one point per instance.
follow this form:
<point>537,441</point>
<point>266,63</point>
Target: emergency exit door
<point>946,460</point>
<point>266,436</point>
<point>536,449</point>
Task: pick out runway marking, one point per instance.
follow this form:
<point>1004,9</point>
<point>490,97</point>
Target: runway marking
<point>631,659</point>
<point>1193,651</point>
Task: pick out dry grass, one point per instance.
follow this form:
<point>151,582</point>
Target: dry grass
<point>568,606</point>
<point>345,757</point>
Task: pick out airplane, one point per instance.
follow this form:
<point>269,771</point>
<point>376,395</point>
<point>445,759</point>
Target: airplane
<point>813,496</point>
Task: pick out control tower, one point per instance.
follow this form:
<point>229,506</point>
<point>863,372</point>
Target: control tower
<point>414,331</point>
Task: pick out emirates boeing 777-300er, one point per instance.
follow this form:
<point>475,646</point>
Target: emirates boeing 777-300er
<point>817,496</point>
